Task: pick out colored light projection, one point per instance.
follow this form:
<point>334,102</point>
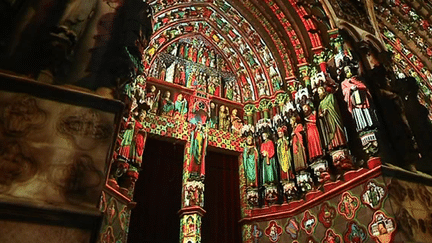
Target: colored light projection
<point>400,21</point>
<point>223,50</point>
<point>406,64</point>
<point>193,63</point>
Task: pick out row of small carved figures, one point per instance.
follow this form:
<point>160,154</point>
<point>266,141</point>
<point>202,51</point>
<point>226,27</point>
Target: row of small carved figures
<point>290,177</point>
<point>287,190</point>
<point>219,115</point>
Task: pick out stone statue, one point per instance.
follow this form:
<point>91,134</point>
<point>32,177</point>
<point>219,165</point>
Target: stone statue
<point>269,171</point>
<point>180,107</point>
<point>51,41</point>
<point>331,126</point>
<point>299,153</point>
<point>312,134</point>
<point>357,97</point>
<point>250,162</point>
<point>284,155</point>
<point>167,105</point>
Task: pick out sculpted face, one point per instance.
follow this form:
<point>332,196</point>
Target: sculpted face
<point>142,116</point>
<point>321,93</point>
<point>292,121</point>
<point>234,112</point>
<point>348,72</point>
<point>249,140</point>
<point>306,109</point>
<point>280,134</point>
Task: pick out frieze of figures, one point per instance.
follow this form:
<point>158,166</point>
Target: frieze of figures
<point>298,141</point>
<point>146,99</point>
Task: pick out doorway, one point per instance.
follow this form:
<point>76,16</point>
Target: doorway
<point>221,199</point>
<point>158,194</point>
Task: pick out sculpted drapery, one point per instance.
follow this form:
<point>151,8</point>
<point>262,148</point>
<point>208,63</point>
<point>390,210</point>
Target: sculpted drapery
<point>332,126</point>
<point>269,162</point>
<point>250,163</point>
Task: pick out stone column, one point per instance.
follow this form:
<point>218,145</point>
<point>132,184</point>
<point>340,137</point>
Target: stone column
<point>192,210</point>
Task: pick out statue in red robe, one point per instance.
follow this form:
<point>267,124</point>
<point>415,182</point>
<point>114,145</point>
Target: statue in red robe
<point>312,134</point>
<point>137,147</point>
<point>357,96</point>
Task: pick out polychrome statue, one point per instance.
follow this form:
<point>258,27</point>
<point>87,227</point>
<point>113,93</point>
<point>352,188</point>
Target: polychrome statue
<point>284,155</point>
<point>138,142</point>
<point>332,127</point>
<point>269,171</point>
<point>126,142</point>
<point>357,96</point>
<point>180,107</point>
<point>198,149</point>
<point>236,122</point>
<point>312,134</point>
<point>167,105</point>
<point>223,118</point>
<point>299,153</point>
<point>213,116</point>
<point>250,162</point>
